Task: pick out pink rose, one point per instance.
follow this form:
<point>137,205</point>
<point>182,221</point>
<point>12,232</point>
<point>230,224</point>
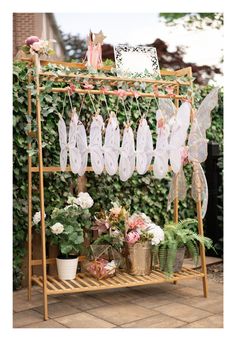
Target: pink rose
<point>32,39</point>
<point>132,237</point>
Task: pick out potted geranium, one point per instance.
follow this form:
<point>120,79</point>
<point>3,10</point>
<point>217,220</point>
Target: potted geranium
<point>65,229</point>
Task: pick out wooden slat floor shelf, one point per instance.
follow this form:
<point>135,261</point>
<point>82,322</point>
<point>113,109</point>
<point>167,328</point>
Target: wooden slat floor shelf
<point>84,282</point>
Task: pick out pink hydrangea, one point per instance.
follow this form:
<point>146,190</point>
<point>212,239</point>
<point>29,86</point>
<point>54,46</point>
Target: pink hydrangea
<point>32,39</point>
<point>132,237</point>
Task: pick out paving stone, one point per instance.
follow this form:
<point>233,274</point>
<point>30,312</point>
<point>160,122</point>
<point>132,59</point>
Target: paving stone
<point>22,303</point>
<point>156,321</point>
<point>187,292</point>
<point>45,324</point>
<point>23,318</point>
<point>119,296</point>
<point>214,321</point>
<point>82,301</point>
<point>122,313</point>
<point>213,305</point>
<point>83,320</point>
<point>183,312</point>
<point>58,309</point>
<point>156,300</point>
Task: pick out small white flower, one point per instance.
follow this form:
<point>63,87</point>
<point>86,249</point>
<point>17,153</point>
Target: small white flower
<point>68,206</point>
<point>111,267</point>
<point>72,200</point>
<point>37,217</point>
<point>57,228</point>
<point>158,233</point>
<point>84,200</point>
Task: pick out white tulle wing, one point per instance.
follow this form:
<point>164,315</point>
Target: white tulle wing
<point>167,108</point>
<point>112,145</point>
<point>63,143</point>
<point>82,146</point>
<point>95,146</point>
<point>74,155</point>
<point>199,189</point>
<point>178,187</point>
<point>144,147</point>
<point>161,155</point>
<point>178,135</point>
<point>197,141</point>
<point>127,155</point>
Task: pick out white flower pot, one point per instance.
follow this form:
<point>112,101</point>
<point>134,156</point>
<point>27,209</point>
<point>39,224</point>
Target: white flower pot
<point>66,268</point>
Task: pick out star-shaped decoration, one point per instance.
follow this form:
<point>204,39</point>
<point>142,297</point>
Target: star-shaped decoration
<point>99,37</point>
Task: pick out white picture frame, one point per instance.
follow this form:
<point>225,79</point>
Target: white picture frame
<point>136,61</point>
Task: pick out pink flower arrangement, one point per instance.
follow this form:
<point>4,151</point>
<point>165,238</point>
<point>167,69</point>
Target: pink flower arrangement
<point>34,45</point>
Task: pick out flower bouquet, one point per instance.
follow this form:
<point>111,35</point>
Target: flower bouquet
<point>141,235</point>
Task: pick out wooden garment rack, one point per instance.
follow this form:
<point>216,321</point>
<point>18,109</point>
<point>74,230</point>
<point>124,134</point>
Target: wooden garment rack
<point>51,284</point>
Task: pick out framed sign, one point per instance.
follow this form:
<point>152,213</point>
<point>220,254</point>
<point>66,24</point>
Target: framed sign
<point>136,61</point>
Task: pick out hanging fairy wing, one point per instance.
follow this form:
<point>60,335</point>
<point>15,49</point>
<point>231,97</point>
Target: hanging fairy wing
<point>144,148</point>
<point>112,145</point>
<point>178,135</point>
<point>81,139</point>
<point>63,143</point>
<point>197,141</point>
<point>199,189</point>
<point>127,155</point>
<point>160,166</point>
<point>95,147</point>
<point>167,108</point>
<point>178,187</point>
<point>74,155</point>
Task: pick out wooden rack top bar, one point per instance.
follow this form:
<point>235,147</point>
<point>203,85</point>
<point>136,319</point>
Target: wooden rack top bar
<point>114,93</point>
<point>59,78</point>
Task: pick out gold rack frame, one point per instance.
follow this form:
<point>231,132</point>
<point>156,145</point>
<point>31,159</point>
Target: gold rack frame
<point>52,285</point>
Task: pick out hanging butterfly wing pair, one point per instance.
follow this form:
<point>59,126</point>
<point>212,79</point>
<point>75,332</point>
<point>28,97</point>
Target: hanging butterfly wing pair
<point>164,117</point>
<point>95,145</point>
<point>197,144</point>
<point>127,154</point>
<point>68,145</point>
<point>111,146</point>
<point>197,152</point>
<point>144,147</point>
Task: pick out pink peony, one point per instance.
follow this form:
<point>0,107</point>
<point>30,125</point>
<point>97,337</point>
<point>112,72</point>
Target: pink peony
<point>132,237</point>
<point>32,39</point>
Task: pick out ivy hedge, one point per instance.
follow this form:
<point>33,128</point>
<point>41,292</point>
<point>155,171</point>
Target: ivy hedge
<point>144,193</point>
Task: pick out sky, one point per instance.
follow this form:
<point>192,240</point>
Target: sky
<point>202,47</point>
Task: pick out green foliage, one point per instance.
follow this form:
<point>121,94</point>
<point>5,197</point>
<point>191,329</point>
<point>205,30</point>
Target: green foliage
<point>140,193</point>
<point>178,235</point>
<point>194,20</point>
<point>73,219</point>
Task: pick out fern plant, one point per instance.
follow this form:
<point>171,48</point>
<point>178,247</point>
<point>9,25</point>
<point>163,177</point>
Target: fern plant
<point>178,235</point>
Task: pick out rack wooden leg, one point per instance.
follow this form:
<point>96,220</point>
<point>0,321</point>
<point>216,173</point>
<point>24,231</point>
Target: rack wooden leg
<point>202,249</point>
<point>29,231</point>
<point>29,199</point>
<point>41,192</point>
<point>176,206</point>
